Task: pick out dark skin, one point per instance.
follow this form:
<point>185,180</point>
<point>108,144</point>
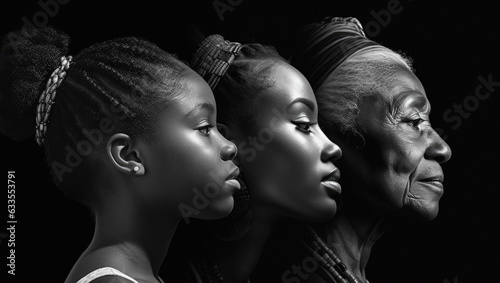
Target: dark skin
<point>397,174</point>
<point>137,211</point>
<point>292,175</point>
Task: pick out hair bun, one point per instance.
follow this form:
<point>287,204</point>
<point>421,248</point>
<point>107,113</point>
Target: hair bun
<point>27,58</point>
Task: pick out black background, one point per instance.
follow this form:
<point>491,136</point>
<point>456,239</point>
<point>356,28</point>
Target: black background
<point>452,44</point>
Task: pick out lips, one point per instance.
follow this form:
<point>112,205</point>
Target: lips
<point>437,178</point>
<point>333,176</point>
<point>231,179</point>
<point>330,183</point>
<point>334,188</point>
<point>233,174</point>
<point>233,183</point>
<point>434,183</point>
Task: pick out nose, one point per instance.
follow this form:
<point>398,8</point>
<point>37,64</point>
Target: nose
<point>228,150</point>
<point>331,151</point>
<point>438,149</point>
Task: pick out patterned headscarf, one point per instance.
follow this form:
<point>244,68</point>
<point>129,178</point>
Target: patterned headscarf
<point>323,46</point>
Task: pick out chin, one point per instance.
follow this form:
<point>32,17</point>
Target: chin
<point>320,213</point>
<point>424,210</point>
<point>217,209</point>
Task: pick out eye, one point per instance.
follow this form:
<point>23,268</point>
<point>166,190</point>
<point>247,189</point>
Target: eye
<point>303,126</point>
<point>205,130</point>
<point>416,122</point>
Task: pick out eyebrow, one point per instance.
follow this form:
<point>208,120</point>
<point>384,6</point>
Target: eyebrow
<point>418,100</point>
<point>201,106</point>
<point>304,101</point>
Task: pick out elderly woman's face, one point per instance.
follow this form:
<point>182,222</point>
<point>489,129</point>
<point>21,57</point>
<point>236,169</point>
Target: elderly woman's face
<point>402,153</point>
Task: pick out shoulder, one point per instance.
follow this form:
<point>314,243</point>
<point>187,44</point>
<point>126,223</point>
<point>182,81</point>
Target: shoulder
<point>111,279</point>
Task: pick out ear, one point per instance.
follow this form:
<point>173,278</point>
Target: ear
<point>124,155</point>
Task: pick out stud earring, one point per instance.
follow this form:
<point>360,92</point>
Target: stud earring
<point>136,169</point>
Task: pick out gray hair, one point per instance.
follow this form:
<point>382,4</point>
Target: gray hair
<point>365,73</point>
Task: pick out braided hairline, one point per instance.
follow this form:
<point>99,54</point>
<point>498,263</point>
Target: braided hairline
<point>94,61</point>
<point>47,97</point>
<point>122,44</point>
<point>91,86</point>
<point>114,102</point>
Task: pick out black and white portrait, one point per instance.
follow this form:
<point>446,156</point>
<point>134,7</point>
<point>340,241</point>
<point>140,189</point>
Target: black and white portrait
<point>212,141</point>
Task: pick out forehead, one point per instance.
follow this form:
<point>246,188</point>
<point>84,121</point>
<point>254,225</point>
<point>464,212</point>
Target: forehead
<point>401,84</point>
<point>400,90</point>
<point>195,90</point>
<point>288,85</point>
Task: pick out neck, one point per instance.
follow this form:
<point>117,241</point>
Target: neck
<point>352,234</point>
<point>133,242</point>
<point>236,260</point>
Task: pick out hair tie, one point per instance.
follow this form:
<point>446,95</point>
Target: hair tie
<point>47,99</point>
<point>213,58</point>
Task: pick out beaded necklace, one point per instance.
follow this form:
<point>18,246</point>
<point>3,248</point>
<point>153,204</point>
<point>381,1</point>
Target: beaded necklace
<point>327,258</point>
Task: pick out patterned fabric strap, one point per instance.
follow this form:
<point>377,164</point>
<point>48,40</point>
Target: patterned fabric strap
<point>213,58</point>
<point>47,99</point>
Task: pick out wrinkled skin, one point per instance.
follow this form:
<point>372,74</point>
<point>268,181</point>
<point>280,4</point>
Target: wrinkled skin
<point>399,165</point>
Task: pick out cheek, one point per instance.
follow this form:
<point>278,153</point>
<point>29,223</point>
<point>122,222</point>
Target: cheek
<point>197,165</point>
<point>182,165</point>
<point>402,155</point>
<point>393,167</point>
<point>284,170</point>
<point>407,163</point>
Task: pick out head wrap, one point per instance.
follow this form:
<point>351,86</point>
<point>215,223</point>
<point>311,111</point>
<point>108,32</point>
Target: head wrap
<point>213,58</point>
<point>323,46</point>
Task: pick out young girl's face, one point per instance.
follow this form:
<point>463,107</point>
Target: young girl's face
<point>287,161</point>
<point>189,168</point>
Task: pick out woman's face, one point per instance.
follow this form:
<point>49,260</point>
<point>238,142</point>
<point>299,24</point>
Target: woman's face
<point>190,165</point>
<point>400,163</point>
<point>288,161</point>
